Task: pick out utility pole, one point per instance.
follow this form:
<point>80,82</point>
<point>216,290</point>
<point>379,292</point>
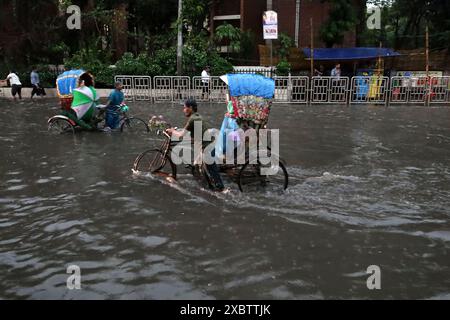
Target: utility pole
<point>312,46</point>
<point>180,40</point>
<point>297,22</point>
<point>427,66</point>
<point>269,7</point>
<point>427,51</point>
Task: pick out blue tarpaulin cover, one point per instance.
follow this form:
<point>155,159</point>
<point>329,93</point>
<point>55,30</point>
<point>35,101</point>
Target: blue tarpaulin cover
<point>349,53</point>
<point>67,81</point>
<point>251,85</point>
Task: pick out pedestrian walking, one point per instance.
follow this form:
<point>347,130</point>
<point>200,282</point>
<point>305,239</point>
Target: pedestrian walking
<point>16,85</point>
<point>206,77</point>
<point>36,84</point>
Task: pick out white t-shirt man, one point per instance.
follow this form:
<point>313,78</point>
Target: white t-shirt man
<point>13,79</point>
<point>205,77</point>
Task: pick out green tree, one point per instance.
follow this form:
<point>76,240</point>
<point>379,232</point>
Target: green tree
<point>230,34</point>
<point>342,18</point>
<point>285,43</point>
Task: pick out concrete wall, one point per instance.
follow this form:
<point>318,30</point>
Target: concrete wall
<point>5,92</point>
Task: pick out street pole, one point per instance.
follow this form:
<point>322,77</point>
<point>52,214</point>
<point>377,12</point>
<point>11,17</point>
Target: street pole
<point>312,46</point>
<point>271,54</point>
<point>180,40</point>
<point>297,22</point>
<point>427,65</point>
<point>269,7</point>
<point>427,52</point>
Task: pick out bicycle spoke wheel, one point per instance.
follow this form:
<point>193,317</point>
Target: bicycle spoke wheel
<point>257,177</point>
<point>134,125</point>
<point>60,126</point>
<point>154,162</point>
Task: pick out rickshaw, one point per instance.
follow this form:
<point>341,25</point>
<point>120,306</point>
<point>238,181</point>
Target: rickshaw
<point>249,104</point>
<point>64,123</point>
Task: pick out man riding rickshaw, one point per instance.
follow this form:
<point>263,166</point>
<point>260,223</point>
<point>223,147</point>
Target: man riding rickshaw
<point>248,109</point>
<point>80,108</point>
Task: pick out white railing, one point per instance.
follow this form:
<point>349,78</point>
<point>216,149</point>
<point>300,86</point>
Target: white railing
<point>440,90</point>
<point>369,90</point>
<point>298,89</point>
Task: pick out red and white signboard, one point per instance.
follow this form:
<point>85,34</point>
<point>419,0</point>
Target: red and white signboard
<point>270,25</point>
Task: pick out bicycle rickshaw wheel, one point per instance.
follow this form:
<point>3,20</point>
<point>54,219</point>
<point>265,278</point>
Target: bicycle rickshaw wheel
<point>252,179</point>
<point>134,125</point>
<point>60,126</point>
<point>155,162</point>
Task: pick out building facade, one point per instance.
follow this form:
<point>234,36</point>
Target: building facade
<point>294,19</point>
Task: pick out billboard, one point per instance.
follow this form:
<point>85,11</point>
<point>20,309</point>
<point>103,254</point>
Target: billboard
<point>270,25</point>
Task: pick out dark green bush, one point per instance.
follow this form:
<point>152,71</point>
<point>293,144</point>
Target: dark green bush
<point>283,68</point>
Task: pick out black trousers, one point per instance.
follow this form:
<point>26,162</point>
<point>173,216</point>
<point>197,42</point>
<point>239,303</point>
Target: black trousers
<point>16,89</point>
<point>205,88</point>
<point>214,173</point>
<point>38,90</point>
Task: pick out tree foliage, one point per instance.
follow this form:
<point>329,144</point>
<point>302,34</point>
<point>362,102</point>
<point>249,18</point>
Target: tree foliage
<point>342,18</point>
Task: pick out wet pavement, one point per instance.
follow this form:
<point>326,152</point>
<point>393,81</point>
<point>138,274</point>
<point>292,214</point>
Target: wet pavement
<point>368,186</point>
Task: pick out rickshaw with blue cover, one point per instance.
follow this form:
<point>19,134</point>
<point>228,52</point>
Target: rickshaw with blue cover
<point>78,103</point>
<point>248,108</point>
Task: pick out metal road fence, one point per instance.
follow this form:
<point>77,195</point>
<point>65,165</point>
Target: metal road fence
<point>369,90</point>
<point>298,89</point>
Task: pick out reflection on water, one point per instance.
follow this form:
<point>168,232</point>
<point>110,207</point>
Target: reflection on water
<point>368,185</point>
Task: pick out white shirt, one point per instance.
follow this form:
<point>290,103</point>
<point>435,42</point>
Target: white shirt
<point>13,79</point>
<point>205,76</point>
<point>336,73</point>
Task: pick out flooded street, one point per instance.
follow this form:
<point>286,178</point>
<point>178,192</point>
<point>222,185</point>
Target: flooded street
<point>368,186</point>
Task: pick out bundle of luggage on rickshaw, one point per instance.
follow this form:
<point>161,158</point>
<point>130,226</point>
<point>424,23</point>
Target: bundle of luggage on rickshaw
<point>251,98</point>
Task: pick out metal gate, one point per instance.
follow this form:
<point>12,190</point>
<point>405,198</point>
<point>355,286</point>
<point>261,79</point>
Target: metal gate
<point>162,89</point>
<point>319,89</point>
<point>218,90</point>
<point>142,88</point>
<point>200,92</point>
<point>338,90</point>
<point>440,90</point>
<point>329,90</point>
<point>300,88</point>
<point>282,90</point>
<point>418,88</point>
<point>181,88</point>
<point>370,90</point>
<point>399,90</point>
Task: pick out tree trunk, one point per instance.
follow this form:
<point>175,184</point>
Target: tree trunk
<point>120,30</point>
<point>361,26</point>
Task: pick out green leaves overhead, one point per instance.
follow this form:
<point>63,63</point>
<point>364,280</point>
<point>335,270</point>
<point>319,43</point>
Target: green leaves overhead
<point>342,18</point>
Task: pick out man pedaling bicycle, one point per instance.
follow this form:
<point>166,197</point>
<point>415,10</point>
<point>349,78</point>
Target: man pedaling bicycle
<point>190,110</point>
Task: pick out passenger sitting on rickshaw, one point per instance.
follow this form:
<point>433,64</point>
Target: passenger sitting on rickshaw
<point>190,111</point>
<point>227,130</point>
<point>85,98</point>
<point>115,100</point>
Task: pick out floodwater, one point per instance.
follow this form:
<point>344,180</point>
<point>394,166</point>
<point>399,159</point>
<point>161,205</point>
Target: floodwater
<point>368,186</point>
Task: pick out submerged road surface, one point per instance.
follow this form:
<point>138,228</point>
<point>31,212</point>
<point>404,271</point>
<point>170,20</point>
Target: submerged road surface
<point>368,186</point>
